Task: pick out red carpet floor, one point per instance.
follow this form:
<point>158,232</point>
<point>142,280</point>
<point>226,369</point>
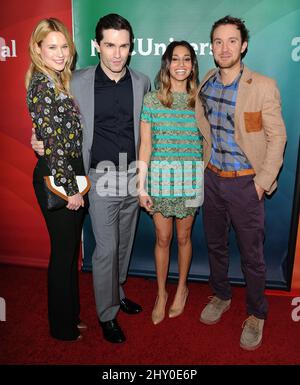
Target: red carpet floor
<point>24,336</point>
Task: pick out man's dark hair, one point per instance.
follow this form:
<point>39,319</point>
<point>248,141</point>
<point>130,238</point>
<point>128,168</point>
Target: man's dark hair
<point>113,21</point>
<point>239,23</point>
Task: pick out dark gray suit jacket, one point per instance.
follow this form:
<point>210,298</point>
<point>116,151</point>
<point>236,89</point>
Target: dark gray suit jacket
<point>82,88</point>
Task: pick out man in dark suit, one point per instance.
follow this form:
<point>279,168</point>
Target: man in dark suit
<point>110,97</point>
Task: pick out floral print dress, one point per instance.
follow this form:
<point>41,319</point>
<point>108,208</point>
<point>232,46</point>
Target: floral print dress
<point>56,120</point>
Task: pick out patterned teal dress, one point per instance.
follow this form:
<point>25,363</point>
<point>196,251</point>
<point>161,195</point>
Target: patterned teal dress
<point>175,172</point>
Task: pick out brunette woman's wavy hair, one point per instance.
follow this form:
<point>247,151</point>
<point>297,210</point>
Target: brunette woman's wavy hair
<point>42,29</point>
<point>163,80</point>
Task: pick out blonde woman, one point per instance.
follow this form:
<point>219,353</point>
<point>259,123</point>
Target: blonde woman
<point>171,146</point>
<point>56,121</point>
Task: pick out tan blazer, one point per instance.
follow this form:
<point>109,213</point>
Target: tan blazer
<point>259,127</point>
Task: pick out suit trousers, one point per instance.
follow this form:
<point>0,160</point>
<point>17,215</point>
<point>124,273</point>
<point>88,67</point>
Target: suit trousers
<point>235,201</point>
<point>113,213</point>
<point>64,228</point>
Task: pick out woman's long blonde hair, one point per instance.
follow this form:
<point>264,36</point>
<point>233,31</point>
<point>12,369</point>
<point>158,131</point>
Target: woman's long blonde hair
<point>163,81</point>
<point>40,32</point>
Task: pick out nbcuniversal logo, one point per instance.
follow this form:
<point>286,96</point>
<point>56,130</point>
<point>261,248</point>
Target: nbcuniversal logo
<point>7,50</point>
<point>149,47</point>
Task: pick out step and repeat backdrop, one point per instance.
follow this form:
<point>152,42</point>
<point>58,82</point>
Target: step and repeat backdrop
<point>274,50</point>
<point>23,235</point>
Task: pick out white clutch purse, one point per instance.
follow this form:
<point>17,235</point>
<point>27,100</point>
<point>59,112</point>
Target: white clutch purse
<point>56,195</point>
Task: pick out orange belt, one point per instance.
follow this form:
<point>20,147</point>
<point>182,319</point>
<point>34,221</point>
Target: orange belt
<point>230,174</point>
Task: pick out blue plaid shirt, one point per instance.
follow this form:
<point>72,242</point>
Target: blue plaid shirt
<point>219,101</point>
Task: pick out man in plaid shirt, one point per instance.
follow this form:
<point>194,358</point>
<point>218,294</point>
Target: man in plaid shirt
<point>239,116</point>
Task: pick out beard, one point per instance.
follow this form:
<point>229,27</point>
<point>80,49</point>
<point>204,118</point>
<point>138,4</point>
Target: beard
<point>227,64</point>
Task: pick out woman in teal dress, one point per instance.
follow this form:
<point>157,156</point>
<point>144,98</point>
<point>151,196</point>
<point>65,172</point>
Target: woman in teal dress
<point>171,154</point>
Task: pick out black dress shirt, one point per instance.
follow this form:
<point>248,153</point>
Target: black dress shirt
<point>113,120</point>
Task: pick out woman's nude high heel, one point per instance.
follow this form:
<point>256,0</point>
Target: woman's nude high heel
<point>159,314</point>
